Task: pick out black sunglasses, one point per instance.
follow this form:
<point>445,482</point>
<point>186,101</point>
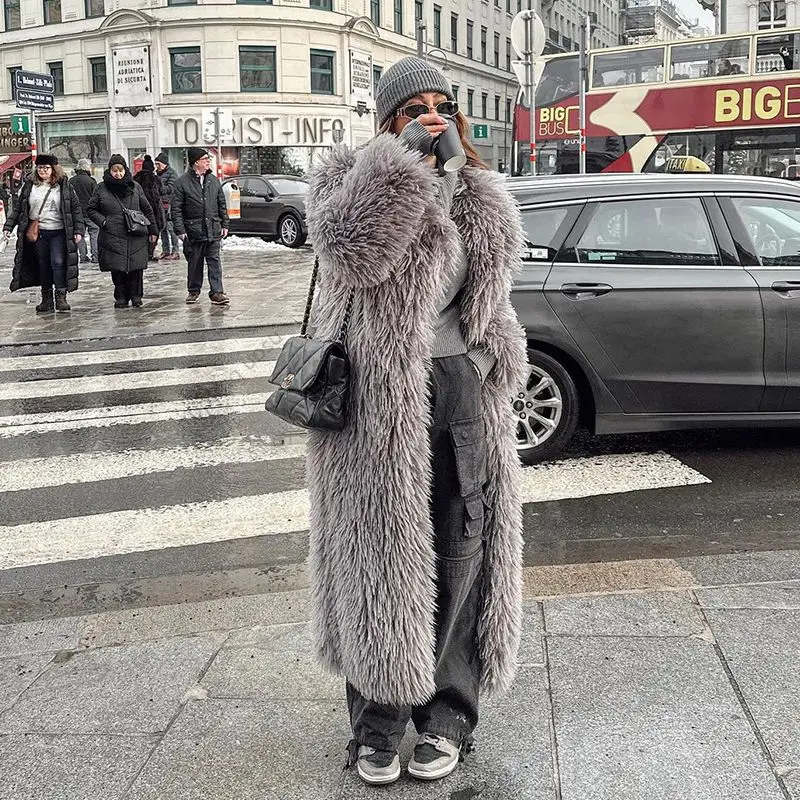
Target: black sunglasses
<point>447,108</point>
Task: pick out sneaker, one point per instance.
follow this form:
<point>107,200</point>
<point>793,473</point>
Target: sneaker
<point>219,299</point>
<point>434,757</point>
<point>192,297</point>
<point>377,767</point>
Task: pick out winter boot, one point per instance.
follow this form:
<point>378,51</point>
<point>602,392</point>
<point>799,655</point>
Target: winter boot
<point>46,306</point>
<point>61,300</point>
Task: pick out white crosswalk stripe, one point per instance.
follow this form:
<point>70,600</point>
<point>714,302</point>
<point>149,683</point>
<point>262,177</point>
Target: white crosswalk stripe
<point>121,507</point>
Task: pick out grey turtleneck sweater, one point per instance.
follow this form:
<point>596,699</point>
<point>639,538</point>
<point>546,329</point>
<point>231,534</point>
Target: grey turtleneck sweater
<point>449,339</point>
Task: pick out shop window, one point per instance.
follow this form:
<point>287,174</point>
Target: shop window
<point>772,14</point>
<point>649,232</point>
<point>437,26</point>
<point>631,67</point>
<point>375,12</point>
<point>70,140</point>
<point>52,12</point>
<point>321,5</point>
<point>56,69</point>
<point>777,53</point>
<point>454,33</point>
<point>484,103</point>
<point>497,49</point>
<point>497,107</point>
<point>12,71</point>
<point>322,72</point>
<point>398,16</point>
<point>709,59</point>
<point>508,55</point>
<point>99,78</point>
<point>483,44</point>
<point>257,69</point>
<point>186,69</point>
<point>470,37</point>
<point>376,77</point>
<point>12,16</point>
<point>94,8</point>
<point>470,101</point>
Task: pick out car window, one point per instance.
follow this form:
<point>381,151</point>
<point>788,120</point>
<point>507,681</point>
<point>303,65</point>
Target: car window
<point>249,187</point>
<point>541,233</point>
<point>283,186</point>
<point>659,231</point>
<point>774,229</point>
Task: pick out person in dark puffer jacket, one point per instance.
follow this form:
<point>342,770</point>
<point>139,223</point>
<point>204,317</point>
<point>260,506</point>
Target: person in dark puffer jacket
<point>146,178</point>
<point>84,185</point>
<point>122,253</point>
<point>52,260</point>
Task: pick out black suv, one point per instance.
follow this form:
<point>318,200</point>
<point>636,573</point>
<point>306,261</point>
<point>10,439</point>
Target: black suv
<point>272,207</point>
<point>657,302</point>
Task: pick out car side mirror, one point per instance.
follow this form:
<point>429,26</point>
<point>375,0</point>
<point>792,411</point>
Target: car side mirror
<point>266,195</point>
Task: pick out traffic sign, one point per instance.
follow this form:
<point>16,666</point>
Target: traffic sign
<point>40,101</point>
<point>39,82</point>
<point>20,123</point>
<point>480,131</point>
<point>517,33</point>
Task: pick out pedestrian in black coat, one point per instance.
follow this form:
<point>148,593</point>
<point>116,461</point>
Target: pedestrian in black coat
<point>84,185</point>
<point>122,253</point>
<point>52,260</point>
<point>200,217</point>
<point>146,178</point>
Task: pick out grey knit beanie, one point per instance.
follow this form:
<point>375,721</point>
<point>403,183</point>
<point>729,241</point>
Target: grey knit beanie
<point>408,77</point>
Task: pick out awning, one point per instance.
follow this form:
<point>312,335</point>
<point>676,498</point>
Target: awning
<point>10,160</point>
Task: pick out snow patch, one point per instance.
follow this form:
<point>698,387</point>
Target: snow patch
<point>251,244</point>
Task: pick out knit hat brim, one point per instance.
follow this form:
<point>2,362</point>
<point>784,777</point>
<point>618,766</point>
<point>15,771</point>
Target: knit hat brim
<point>117,159</point>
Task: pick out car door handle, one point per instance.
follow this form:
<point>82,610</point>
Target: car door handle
<point>581,291</point>
<point>786,287</point>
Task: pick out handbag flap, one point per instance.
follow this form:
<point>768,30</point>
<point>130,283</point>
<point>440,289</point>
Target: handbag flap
<point>301,361</point>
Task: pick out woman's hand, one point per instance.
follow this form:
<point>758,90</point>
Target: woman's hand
<point>78,238</point>
<point>433,123</point>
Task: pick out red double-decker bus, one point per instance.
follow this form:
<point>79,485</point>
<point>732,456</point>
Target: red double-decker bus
<point>732,101</point>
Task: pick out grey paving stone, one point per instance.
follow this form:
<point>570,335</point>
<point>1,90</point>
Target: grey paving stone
<point>132,689</point>
<point>511,761</point>
<point>42,767</point>
<point>531,644</point>
<point>762,648</point>
<point>44,636</point>
<point>270,662</point>
<point>122,627</point>
<point>792,781</point>
<point>740,568</point>
<point>650,614</point>
<point>651,718</point>
<point>249,750</point>
<point>17,674</point>
<point>777,595</point>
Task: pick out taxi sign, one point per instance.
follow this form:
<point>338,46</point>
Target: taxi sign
<point>687,164</point>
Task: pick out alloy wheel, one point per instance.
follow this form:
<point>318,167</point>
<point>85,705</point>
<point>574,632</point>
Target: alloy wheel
<point>538,409</point>
<point>289,231</point>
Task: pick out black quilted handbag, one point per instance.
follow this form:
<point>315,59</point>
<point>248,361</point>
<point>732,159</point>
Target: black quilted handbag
<point>313,376</point>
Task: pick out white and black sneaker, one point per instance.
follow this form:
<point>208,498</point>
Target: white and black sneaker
<point>434,757</point>
<point>376,767</point>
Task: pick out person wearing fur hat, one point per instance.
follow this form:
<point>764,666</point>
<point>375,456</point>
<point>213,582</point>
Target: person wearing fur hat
<point>166,178</point>
<point>122,253</point>
<point>49,222</point>
<point>415,550</point>
<point>146,178</point>
<point>200,217</point>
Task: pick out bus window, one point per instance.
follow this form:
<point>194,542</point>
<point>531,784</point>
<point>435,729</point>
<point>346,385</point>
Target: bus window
<point>776,52</point>
<point>634,66</point>
<point>675,145</point>
<point>559,80</point>
<point>709,59</point>
<point>774,154</point>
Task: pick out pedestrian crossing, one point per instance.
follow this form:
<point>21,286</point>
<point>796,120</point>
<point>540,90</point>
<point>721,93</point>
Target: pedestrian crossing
<point>110,451</point>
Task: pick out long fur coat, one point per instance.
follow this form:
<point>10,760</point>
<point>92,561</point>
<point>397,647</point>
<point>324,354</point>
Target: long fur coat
<point>377,226</point>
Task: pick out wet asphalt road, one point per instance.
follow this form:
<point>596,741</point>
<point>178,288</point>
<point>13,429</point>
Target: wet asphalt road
<point>142,470</point>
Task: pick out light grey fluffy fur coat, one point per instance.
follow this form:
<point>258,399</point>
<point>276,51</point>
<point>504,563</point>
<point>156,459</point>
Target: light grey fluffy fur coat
<point>377,226</point>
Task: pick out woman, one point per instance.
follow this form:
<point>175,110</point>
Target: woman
<point>121,252</point>
<point>146,178</point>
<point>415,549</point>
<point>51,261</point>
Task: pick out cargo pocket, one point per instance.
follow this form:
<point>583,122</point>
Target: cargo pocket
<point>469,444</point>
<point>473,515</point>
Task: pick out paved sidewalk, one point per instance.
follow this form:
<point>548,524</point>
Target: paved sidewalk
<point>675,680</point>
<point>267,284</point>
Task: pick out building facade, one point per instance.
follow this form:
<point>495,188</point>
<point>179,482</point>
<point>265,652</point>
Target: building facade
<point>646,21</point>
<point>278,80</point>
<point>738,16</point>
<point>563,18</point>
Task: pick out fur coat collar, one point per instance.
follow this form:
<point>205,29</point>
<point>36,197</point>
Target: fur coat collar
<point>378,227</point>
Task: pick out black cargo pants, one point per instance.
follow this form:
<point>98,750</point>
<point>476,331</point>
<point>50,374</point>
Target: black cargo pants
<point>458,444</point>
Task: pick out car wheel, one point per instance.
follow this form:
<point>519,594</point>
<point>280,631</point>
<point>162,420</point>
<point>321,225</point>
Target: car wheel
<point>290,231</point>
<point>546,409</point>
